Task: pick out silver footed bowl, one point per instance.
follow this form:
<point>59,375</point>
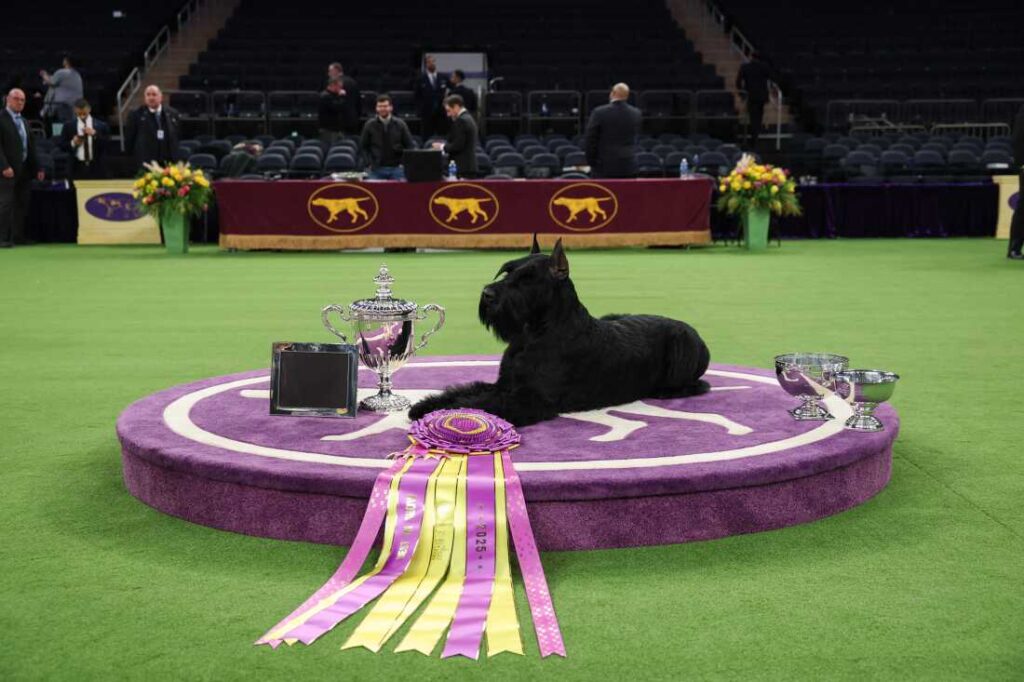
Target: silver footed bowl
<point>865,389</point>
<point>810,377</point>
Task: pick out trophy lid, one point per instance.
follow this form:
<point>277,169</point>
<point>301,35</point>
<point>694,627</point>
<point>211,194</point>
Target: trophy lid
<point>384,305</point>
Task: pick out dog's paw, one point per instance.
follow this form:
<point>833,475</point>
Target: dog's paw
<point>424,407</point>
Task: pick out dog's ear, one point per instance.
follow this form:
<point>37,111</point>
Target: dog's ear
<point>535,249</point>
<point>559,263</point>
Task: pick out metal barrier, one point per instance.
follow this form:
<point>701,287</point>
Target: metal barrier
<point>1001,109</point>
<point>150,56</point>
<point>840,113</point>
<point>124,97</point>
<point>983,130</point>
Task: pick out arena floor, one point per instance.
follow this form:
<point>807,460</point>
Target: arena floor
<point>924,581</point>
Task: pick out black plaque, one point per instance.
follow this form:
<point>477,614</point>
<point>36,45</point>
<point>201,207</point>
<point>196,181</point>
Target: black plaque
<point>313,379</point>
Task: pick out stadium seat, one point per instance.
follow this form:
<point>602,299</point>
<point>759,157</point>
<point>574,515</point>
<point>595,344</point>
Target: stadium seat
<point>510,164</point>
<point>575,159</point>
<point>340,162</point>
<point>271,164</point>
<point>928,162</point>
<point>996,160</point>
<point>483,163</point>
<point>207,162</point>
<point>860,165</point>
<point>963,161</point>
<point>305,165</point>
<point>543,166</point>
<point>714,163</point>
<point>649,165</point>
<point>893,162</point>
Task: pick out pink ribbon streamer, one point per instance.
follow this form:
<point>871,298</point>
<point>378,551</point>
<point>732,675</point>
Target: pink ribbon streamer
<point>376,510</point>
<point>545,622</point>
<point>470,619</point>
<point>411,493</point>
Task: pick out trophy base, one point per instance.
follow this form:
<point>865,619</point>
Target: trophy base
<point>810,413</point>
<point>385,402</point>
<point>864,422</point>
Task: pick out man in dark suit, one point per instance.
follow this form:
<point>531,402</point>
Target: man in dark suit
<point>462,137</point>
<point>611,135</point>
<point>152,130</point>
<point>753,77</point>
<point>83,139</point>
<point>428,93</point>
<point>18,165</point>
<point>457,86</point>
<point>1017,225</point>
<point>350,98</point>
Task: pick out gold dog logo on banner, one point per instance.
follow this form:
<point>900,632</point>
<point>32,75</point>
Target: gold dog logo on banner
<point>463,207</point>
<point>343,207</point>
<point>583,207</point>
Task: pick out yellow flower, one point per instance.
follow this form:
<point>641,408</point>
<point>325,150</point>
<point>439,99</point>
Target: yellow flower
<point>152,185</point>
<point>167,182</point>
<point>721,188</point>
<point>775,190</point>
<point>747,185</point>
<point>139,182</point>
<point>202,182</point>
<point>776,205</point>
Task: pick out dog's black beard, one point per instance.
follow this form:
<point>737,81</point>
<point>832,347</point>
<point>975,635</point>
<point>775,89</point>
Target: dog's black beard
<point>510,315</point>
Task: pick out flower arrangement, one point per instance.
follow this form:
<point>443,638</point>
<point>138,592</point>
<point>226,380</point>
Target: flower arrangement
<point>175,188</point>
<point>752,185</point>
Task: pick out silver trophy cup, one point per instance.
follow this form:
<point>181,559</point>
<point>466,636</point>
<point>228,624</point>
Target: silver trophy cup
<point>810,377</point>
<point>383,333</point>
<point>865,389</point>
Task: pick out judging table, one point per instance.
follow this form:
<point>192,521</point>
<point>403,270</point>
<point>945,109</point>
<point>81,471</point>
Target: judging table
<point>324,214</point>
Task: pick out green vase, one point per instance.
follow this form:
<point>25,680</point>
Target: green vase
<point>175,226</point>
<point>755,228</point>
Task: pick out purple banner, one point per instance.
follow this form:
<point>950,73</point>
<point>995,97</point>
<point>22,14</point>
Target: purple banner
<point>467,628</point>
<point>545,622</point>
<point>376,509</point>
<point>411,492</point>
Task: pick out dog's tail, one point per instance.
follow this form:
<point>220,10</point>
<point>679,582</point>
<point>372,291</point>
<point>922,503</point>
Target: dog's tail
<point>699,387</point>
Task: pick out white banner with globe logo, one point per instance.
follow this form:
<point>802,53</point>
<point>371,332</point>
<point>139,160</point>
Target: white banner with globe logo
<point>107,214</point>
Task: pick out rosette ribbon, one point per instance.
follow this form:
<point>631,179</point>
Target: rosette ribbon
<point>449,504</point>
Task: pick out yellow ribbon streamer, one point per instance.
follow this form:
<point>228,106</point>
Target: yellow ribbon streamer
<point>390,523</point>
<point>391,609</point>
<point>428,628</point>
<point>502,623</point>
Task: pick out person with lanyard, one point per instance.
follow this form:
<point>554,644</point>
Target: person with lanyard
<point>18,166</point>
<point>83,142</point>
<point>384,139</point>
<point>152,130</point>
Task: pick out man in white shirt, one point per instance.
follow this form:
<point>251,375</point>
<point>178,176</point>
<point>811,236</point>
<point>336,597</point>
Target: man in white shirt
<point>84,139</point>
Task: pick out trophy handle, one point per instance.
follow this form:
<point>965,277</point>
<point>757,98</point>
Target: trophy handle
<point>342,313</point>
<point>423,315</point>
<point>845,389</point>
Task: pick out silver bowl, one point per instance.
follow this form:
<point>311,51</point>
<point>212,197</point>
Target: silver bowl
<point>810,377</point>
<point>865,389</point>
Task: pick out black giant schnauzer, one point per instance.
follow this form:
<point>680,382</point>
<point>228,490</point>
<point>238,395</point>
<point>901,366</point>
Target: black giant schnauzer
<point>560,359</point>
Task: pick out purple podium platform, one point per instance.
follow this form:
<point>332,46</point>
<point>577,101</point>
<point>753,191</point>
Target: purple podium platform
<point>647,473</point>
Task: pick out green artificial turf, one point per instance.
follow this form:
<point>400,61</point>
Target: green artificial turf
<point>924,582</point>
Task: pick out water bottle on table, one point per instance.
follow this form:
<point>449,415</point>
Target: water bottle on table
<point>453,172</point>
<point>684,168</point>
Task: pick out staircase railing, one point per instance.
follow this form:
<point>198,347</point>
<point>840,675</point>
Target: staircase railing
<point>150,56</point>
